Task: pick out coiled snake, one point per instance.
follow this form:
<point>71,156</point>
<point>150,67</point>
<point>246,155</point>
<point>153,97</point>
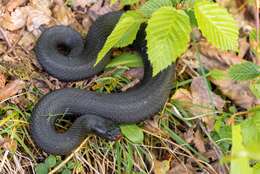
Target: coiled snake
<point>97,113</point>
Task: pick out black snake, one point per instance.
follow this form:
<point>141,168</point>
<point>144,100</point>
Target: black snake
<point>97,113</point>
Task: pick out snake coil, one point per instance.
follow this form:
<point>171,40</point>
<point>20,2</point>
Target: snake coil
<point>97,113</point>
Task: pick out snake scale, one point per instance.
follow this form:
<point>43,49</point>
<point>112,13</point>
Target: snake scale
<point>95,112</point>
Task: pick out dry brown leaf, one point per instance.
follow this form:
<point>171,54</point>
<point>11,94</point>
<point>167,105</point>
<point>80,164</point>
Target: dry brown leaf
<point>239,92</point>
<point>15,20</point>
<point>2,80</point>
<point>31,16</point>
<point>27,41</point>
<point>202,96</point>
<point>199,142</point>
<point>36,18</point>
<point>63,14</point>
<point>81,5</point>
<point>11,5</point>
<point>134,73</point>
<point>212,58</point>
<point>11,89</point>
<point>42,5</point>
<point>204,101</point>
<point>97,9</point>
<point>184,97</point>
<point>161,167</point>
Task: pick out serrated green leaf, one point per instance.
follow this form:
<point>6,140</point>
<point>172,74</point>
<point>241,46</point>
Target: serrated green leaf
<point>133,133</point>
<point>129,2</point>
<point>217,25</point>
<point>244,71</point>
<point>123,34</point>
<point>126,59</point>
<point>152,5</point>
<point>41,168</point>
<point>168,35</point>
<point>239,163</point>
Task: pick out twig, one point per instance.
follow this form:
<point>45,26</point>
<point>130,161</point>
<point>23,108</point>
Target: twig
<point>18,165</point>
<point>69,157</point>
<point>9,98</point>
<point>3,160</point>
<point>130,85</point>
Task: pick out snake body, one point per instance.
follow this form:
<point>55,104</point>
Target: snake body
<point>98,113</point>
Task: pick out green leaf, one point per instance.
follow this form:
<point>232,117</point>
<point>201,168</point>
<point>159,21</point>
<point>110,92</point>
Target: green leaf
<point>251,135</point>
<point>255,89</point>
<point>112,2</point>
<point>256,168</point>
<point>191,14</point>
<point>71,165</point>
<point>217,25</point>
<point>51,161</point>
<point>129,2</point>
<point>41,168</point>
<point>152,5</point>
<point>123,34</point>
<point>126,59</point>
<point>168,35</point>
<point>133,133</point>
<point>239,163</point>
<point>244,71</point>
<point>218,74</point>
<point>66,171</point>
<point>253,35</point>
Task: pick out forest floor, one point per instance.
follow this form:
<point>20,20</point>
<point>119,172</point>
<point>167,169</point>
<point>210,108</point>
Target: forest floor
<point>192,134</point>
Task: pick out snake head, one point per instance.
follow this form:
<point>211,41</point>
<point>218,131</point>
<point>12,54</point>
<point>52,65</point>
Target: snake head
<point>104,128</point>
<point>109,133</point>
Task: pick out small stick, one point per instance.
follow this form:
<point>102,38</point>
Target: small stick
<point>69,157</point>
